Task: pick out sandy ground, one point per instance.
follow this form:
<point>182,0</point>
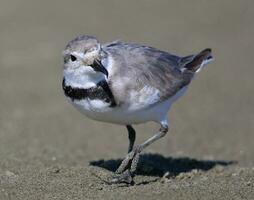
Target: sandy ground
<point>48,150</point>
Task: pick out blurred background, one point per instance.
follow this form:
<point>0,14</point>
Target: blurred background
<point>214,120</point>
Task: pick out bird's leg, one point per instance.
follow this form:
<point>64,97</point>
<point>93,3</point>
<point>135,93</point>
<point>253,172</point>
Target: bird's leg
<point>134,154</point>
<point>132,137</point>
<point>129,165</point>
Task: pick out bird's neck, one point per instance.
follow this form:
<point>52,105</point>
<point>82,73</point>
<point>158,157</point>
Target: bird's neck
<point>79,79</point>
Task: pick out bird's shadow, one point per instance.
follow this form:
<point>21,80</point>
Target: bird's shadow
<point>157,165</point>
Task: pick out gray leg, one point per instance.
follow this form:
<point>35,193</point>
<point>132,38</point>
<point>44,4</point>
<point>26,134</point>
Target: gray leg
<point>132,137</point>
<point>129,164</point>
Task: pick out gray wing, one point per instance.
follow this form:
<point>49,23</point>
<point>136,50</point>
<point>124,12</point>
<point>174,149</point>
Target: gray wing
<point>141,66</point>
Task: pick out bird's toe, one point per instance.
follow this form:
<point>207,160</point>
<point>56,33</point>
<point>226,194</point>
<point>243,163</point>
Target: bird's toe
<point>125,177</point>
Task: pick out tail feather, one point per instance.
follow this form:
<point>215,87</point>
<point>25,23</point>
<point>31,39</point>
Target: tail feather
<point>199,60</point>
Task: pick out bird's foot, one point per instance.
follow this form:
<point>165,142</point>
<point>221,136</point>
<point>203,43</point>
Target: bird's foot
<point>125,172</point>
<point>125,177</point>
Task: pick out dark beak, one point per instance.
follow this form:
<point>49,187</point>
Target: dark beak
<point>97,66</point>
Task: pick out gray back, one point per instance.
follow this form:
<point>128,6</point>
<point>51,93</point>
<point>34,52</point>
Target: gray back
<point>138,66</point>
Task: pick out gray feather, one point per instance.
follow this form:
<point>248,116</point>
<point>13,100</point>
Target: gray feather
<point>141,66</point>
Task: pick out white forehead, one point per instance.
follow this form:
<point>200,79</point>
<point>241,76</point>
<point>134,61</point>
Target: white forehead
<point>78,54</point>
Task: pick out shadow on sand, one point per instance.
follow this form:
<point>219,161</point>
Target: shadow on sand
<point>158,165</point>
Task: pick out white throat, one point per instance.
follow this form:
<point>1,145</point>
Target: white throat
<point>86,77</point>
<point>81,77</point>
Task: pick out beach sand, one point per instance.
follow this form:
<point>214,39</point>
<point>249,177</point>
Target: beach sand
<point>48,150</point>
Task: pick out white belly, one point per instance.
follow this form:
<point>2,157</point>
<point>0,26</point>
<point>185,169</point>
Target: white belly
<point>126,114</point>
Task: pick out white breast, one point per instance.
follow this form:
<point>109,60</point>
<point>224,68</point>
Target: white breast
<point>87,106</point>
<point>128,114</point>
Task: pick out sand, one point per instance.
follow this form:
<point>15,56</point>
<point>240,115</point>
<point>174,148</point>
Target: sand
<point>48,150</point>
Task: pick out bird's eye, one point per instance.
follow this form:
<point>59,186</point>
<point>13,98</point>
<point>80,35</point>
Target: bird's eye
<point>73,58</point>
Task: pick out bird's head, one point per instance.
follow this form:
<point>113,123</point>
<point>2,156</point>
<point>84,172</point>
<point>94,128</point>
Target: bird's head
<point>84,53</point>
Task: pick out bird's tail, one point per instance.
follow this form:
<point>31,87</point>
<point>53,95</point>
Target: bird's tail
<point>196,62</point>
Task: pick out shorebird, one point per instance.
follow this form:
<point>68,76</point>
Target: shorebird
<point>127,83</point>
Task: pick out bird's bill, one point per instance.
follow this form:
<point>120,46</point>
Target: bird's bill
<point>97,66</point>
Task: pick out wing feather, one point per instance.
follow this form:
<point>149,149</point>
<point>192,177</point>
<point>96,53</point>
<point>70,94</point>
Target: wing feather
<point>139,66</point>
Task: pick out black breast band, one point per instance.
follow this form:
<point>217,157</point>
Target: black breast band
<point>100,91</point>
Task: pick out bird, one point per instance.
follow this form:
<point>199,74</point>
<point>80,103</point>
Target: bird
<point>127,83</point>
